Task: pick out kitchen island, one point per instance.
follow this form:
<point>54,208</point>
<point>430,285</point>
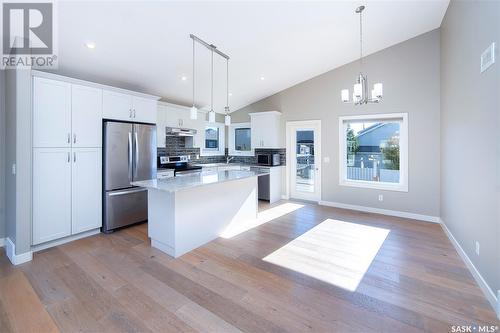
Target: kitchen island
<point>185,212</point>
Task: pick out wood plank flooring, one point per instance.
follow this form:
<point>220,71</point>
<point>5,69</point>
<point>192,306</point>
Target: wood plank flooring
<point>118,283</point>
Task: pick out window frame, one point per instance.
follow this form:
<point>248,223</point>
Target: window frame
<point>221,151</point>
<point>402,186</point>
<point>232,137</point>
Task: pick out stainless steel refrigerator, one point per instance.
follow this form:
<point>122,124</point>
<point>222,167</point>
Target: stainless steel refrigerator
<point>129,155</point>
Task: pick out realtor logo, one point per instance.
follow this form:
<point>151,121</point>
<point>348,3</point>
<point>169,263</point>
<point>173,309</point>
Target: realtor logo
<point>28,35</point>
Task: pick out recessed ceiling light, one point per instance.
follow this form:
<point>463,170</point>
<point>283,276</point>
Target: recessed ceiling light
<point>90,45</point>
<point>183,78</point>
<point>230,94</point>
<point>262,78</point>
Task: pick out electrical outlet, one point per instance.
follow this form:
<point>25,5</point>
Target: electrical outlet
<point>477,247</point>
<point>380,197</point>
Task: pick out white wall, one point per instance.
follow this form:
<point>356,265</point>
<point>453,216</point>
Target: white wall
<point>470,133</point>
<point>410,73</point>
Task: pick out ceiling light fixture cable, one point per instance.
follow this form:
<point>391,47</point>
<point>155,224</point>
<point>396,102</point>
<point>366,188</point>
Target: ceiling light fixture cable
<point>227,117</point>
<point>194,110</point>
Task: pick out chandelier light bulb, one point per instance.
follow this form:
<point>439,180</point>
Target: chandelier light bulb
<point>358,90</point>
<point>379,90</point>
<point>193,113</point>
<point>211,116</point>
<point>345,95</point>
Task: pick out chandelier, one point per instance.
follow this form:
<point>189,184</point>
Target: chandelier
<point>360,91</point>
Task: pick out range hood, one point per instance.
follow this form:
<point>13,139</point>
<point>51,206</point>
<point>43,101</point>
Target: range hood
<point>176,131</point>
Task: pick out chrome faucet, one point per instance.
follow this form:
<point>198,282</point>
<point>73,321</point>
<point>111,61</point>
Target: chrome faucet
<point>229,159</point>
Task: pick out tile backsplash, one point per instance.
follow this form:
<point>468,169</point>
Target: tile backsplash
<point>176,146</point>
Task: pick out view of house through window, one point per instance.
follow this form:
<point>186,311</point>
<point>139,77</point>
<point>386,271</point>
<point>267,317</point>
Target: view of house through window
<point>212,138</point>
<point>373,150</point>
<point>242,139</point>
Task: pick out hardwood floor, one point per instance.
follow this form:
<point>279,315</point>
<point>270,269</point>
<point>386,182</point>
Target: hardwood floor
<point>118,283</point>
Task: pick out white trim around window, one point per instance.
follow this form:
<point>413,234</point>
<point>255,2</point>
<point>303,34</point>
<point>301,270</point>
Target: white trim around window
<point>221,151</point>
<point>402,118</point>
<point>231,138</point>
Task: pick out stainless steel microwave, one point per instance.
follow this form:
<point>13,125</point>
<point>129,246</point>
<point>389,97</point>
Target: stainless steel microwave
<point>268,159</point>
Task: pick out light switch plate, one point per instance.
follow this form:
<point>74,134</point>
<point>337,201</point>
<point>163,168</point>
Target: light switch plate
<point>488,57</point>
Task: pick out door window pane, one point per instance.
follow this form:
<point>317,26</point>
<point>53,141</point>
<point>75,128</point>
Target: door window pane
<point>304,180</point>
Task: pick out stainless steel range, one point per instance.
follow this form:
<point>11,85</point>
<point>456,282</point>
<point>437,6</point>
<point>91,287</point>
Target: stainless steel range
<point>180,165</point>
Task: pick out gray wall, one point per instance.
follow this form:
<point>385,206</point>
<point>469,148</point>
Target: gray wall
<point>470,139</point>
<point>410,74</point>
<point>2,154</point>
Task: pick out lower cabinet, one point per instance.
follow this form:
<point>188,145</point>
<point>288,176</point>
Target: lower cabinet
<point>66,192</point>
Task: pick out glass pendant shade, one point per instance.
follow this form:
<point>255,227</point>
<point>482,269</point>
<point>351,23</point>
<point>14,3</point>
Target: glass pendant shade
<point>193,113</point>
<point>345,95</point>
<point>378,89</point>
<point>211,116</point>
<point>358,90</point>
<point>227,120</point>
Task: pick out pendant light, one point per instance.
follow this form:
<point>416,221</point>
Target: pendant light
<point>360,93</point>
<point>227,117</point>
<point>193,111</point>
<point>211,113</point>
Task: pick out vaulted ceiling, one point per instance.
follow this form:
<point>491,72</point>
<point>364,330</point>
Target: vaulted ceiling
<point>145,45</point>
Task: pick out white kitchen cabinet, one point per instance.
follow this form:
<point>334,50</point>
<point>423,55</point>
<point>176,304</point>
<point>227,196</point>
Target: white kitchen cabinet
<point>266,129</point>
<point>86,109</point>
<point>122,106</point>
<point>144,110</point>
<point>86,189</point>
<point>170,115</point>
<point>51,113</point>
<point>177,117</point>
<point>161,123</point>
<point>117,106</point>
<point>51,194</point>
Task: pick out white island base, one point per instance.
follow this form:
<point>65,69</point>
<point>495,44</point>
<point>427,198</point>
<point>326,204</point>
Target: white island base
<point>182,220</point>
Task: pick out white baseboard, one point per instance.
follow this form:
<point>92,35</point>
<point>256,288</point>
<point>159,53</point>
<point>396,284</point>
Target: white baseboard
<point>2,242</point>
<point>426,218</point>
<point>16,259</point>
<point>39,247</point>
<point>490,295</point>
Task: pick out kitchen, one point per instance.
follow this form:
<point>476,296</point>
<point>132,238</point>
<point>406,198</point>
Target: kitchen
<point>184,168</point>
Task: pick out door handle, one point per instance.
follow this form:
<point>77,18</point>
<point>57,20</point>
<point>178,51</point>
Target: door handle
<point>136,154</point>
<point>129,156</point>
<point>69,157</point>
<point>74,137</point>
<point>69,137</point>
<point>74,157</point>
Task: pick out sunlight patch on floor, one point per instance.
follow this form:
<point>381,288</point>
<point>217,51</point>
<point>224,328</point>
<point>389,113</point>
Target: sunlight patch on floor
<point>334,251</point>
<point>262,217</point>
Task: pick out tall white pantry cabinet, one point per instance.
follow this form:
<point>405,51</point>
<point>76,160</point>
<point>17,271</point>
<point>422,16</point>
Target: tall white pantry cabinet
<point>67,159</point>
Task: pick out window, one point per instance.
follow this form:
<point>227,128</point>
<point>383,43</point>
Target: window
<point>213,140</point>
<point>240,139</point>
<point>374,151</point>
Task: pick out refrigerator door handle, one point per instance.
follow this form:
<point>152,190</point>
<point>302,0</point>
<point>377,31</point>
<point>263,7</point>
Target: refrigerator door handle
<point>136,154</point>
<point>129,156</point>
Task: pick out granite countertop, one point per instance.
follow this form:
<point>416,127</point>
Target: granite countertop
<point>223,164</point>
<point>188,181</point>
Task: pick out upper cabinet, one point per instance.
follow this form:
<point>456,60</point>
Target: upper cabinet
<point>121,106</point>
<point>66,115</point>
<point>86,107</point>
<point>171,115</point>
<point>266,129</point>
<point>51,113</point>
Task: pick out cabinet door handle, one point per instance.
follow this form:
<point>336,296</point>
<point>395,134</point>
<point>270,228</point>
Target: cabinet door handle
<point>69,137</point>
<point>74,157</point>
<point>69,157</point>
<point>134,113</point>
<point>74,138</point>
<point>130,113</point>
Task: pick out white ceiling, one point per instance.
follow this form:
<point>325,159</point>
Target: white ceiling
<point>145,46</point>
